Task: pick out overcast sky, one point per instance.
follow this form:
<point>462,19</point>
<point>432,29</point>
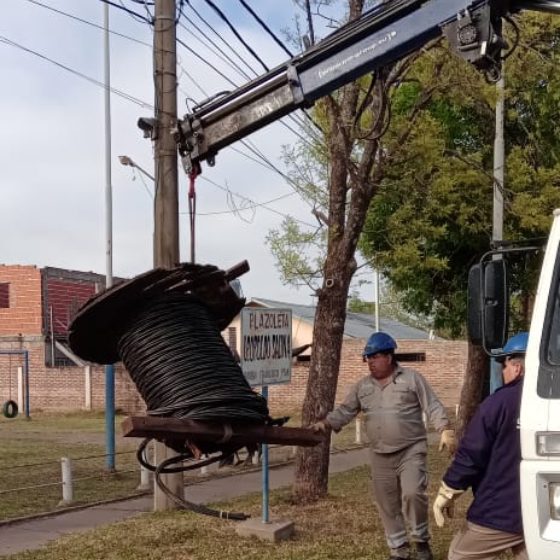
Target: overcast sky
<point>52,155</point>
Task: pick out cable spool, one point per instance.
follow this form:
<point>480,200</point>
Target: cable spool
<point>182,367</point>
<point>165,326</point>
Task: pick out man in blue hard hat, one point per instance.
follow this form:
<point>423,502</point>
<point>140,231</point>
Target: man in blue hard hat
<point>488,461</point>
<point>392,399</point>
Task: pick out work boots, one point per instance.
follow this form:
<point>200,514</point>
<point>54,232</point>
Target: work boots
<point>423,551</point>
<point>401,553</point>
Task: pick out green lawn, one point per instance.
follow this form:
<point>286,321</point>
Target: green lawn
<point>343,526</point>
<point>30,453</point>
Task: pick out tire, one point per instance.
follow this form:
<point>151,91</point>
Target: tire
<point>10,409</point>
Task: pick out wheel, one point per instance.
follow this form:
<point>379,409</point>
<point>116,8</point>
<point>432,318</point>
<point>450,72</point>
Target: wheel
<point>10,409</point>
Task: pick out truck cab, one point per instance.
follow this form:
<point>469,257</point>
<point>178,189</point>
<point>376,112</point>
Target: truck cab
<point>539,420</point>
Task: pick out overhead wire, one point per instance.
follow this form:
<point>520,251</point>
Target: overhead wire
<point>116,91</point>
<point>237,34</point>
<point>259,158</point>
<point>266,28</point>
<point>122,7</point>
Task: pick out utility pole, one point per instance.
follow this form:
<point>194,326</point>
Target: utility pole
<point>110,368</point>
<point>166,205</point>
<point>498,207</point>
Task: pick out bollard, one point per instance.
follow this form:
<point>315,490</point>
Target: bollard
<point>358,430</point>
<point>145,479</point>
<point>204,469</point>
<point>67,485</point>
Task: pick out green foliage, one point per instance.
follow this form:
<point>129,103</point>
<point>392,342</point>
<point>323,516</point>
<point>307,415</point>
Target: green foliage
<point>432,216</point>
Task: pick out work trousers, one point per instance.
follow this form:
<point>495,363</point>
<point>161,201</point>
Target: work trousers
<point>474,542</point>
<point>399,488</point>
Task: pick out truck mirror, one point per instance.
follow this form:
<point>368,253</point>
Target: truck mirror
<point>487,304</point>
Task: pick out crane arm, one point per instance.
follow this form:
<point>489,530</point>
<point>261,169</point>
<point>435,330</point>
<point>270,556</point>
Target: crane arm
<point>380,37</point>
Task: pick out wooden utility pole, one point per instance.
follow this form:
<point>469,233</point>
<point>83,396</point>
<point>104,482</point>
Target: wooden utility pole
<point>166,209</point>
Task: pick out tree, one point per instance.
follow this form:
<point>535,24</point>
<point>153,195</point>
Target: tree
<point>432,216</point>
<point>340,175</point>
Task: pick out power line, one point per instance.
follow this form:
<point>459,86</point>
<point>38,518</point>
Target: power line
<point>266,28</point>
<point>118,92</point>
<point>134,14</point>
<point>236,33</point>
<point>90,23</point>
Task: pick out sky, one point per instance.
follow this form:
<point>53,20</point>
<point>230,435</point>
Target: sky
<point>52,155</point>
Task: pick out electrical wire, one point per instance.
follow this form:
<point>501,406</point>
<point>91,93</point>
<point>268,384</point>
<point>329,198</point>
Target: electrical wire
<point>134,14</point>
<point>236,33</point>
<point>85,21</point>
<point>118,92</point>
<point>182,367</point>
<point>266,28</point>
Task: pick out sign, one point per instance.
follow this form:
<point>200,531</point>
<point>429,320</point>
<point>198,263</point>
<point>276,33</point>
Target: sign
<point>266,345</point>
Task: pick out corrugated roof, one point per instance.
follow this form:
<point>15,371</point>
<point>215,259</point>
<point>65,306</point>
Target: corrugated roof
<point>358,325</point>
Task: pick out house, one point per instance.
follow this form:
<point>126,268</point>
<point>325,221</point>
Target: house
<point>37,306</point>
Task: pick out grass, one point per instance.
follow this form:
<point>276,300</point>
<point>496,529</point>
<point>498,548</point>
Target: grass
<point>30,453</point>
<point>42,441</point>
<point>344,525</point>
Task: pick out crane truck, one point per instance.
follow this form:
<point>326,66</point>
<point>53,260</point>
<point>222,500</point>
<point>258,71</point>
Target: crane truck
<point>382,36</point>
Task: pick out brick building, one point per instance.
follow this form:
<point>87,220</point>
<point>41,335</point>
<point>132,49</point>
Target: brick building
<point>36,308</point>
<point>38,304</point>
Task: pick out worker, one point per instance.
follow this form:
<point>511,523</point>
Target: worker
<point>488,461</point>
<point>392,399</point>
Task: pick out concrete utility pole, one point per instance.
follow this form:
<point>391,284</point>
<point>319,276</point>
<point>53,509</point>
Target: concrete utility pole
<point>166,205</point>
<point>109,369</point>
<point>498,208</point>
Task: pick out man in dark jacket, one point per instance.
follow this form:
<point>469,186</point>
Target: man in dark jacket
<point>488,461</point>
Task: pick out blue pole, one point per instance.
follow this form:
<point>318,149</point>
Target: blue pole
<point>110,416</point>
<point>26,376</point>
<point>265,482</point>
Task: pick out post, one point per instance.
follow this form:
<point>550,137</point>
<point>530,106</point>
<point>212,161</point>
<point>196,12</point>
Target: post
<point>20,387</point>
<point>166,211</point>
<point>498,203</point>
<point>265,479</point>
<point>376,276</point>
<point>358,430</point>
<point>26,383</point>
<point>67,485</point>
<point>109,369</point>
<point>145,479</point>
<point>87,387</point>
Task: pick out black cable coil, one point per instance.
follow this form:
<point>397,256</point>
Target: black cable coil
<point>182,366</point>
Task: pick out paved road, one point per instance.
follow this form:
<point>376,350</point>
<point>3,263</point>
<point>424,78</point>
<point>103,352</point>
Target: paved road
<point>33,534</point>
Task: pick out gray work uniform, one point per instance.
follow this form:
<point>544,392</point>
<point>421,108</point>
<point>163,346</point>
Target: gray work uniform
<point>398,447</point>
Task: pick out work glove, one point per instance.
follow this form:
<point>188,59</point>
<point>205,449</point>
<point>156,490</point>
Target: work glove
<point>447,441</point>
<point>444,503</point>
<point>320,427</point>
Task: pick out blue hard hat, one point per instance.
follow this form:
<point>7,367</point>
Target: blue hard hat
<point>379,342</point>
<point>517,344</point>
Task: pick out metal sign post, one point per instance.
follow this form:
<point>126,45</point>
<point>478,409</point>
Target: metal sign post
<point>266,359</point>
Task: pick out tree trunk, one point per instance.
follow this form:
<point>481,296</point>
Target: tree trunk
<point>312,464</point>
<point>478,365</point>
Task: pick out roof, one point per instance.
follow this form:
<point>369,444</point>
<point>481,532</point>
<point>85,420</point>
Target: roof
<point>358,325</point>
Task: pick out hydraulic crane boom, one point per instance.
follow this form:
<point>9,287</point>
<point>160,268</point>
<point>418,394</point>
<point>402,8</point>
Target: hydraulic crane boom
<point>382,36</point>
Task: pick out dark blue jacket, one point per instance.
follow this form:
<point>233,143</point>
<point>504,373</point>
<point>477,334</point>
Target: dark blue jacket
<point>488,461</point>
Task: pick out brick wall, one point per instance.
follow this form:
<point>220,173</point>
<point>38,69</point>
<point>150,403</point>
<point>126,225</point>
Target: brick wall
<point>24,290</point>
<point>62,388</point>
<point>444,369</point>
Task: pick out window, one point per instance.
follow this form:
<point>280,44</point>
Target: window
<point>4,295</point>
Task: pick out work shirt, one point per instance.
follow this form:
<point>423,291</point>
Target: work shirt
<point>393,412</point>
<point>488,461</point>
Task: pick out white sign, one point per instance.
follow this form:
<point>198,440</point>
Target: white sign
<point>266,345</point>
